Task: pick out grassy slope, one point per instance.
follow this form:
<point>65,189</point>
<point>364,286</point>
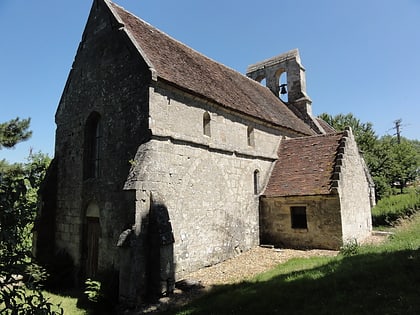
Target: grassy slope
<point>390,209</point>
<point>381,279</point>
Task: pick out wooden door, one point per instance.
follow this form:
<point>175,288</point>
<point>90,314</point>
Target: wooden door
<point>93,231</point>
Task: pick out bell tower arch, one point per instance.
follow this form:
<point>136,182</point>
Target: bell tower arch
<point>294,88</point>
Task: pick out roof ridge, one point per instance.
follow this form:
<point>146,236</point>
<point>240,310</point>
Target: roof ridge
<point>172,61</point>
<point>326,135</point>
<point>110,5</point>
<point>178,41</point>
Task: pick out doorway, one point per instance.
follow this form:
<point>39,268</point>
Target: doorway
<point>91,243</point>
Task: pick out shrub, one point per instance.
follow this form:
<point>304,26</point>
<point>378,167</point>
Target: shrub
<point>93,290</point>
<point>390,209</point>
<point>350,248</point>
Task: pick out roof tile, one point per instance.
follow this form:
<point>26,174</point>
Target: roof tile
<point>178,64</point>
<point>305,166</point>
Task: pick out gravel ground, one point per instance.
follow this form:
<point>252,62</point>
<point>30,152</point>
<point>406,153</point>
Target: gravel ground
<point>237,269</point>
<point>244,266</point>
<point>250,263</point>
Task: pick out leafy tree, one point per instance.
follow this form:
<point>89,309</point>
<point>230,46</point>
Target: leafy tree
<point>389,162</point>
<point>363,132</point>
<point>14,131</point>
<point>416,147</point>
<point>405,163</point>
<point>20,276</point>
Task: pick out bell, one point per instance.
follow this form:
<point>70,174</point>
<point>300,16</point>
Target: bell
<point>283,89</point>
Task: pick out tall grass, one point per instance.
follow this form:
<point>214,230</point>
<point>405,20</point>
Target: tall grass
<point>390,209</point>
<point>381,279</point>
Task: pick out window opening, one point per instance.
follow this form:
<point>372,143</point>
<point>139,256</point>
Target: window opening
<point>262,80</point>
<point>92,146</point>
<point>284,95</point>
<point>251,137</point>
<point>298,215</point>
<point>256,182</point>
<point>206,124</point>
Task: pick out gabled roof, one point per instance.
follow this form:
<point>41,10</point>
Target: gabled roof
<point>305,166</point>
<point>184,67</point>
<point>326,126</point>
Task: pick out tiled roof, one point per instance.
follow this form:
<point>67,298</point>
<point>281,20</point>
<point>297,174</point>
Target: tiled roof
<point>184,67</point>
<point>305,166</point>
<point>326,126</point>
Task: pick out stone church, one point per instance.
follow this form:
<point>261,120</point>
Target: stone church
<point>167,161</point>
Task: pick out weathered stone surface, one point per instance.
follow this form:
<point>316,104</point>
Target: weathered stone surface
<point>153,180</point>
<point>355,192</point>
<point>323,218</point>
<point>326,175</point>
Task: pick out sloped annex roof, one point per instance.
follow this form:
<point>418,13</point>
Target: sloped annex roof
<point>326,126</point>
<point>184,67</point>
<point>305,166</point>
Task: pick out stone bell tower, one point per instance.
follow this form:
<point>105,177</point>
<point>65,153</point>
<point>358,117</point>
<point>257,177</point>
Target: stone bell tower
<point>289,63</point>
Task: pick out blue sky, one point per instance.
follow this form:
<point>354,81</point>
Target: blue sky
<point>361,56</point>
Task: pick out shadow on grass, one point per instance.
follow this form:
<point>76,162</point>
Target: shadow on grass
<point>371,283</point>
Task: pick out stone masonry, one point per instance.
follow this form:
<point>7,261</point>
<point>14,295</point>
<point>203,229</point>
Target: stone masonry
<point>167,162</point>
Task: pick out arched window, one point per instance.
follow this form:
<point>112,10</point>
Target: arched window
<point>206,124</point>
<point>251,137</point>
<point>256,182</point>
<point>91,154</point>
<point>283,93</point>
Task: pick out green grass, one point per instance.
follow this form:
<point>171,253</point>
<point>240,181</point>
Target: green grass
<point>68,303</point>
<point>390,209</point>
<point>382,279</point>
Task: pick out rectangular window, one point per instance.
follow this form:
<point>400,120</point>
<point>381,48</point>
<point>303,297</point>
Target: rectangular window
<point>92,148</point>
<point>251,137</point>
<point>256,182</point>
<point>206,124</point>
<point>298,215</point>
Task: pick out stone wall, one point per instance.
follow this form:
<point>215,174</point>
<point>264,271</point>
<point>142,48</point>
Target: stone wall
<point>108,78</point>
<point>179,116</point>
<point>205,182</point>
<point>354,191</point>
<point>323,222</point>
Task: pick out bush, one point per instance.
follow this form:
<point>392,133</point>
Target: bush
<point>100,294</point>
<point>93,290</point>
<point>350,248</point>
<point>20,300</point>
<point>392,208</point>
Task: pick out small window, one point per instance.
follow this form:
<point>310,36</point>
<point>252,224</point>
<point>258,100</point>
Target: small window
<point>250,137</point>
<point>256,182</point>
<point>92,146</point>
<point>206,124</point>
<point>298,215</point>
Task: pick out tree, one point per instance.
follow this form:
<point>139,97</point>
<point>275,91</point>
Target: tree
<point>389,162</point>
<point>405,163</point>
<point>363,132</point>
<point>14,131</point>
<point>20,276</point>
